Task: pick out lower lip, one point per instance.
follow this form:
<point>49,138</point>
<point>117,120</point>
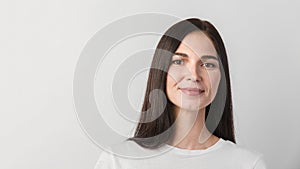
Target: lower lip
<point>192,92</point>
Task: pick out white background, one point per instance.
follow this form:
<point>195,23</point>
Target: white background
<point>42,40</point>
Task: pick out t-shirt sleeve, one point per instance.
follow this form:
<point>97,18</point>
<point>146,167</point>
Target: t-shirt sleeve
<point>105,161</point>
<point>260,163</point>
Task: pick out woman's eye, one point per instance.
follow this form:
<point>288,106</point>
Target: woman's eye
<point>208,65</point>
<point>177,62</point>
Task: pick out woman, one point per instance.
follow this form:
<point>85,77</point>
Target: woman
<point>187,108</point>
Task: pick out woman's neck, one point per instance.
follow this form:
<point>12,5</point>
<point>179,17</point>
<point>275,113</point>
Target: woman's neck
<point>191,132</point>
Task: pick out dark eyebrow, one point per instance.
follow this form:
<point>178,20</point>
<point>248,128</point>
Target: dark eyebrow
<point>203,57</point>
<point>181,54</point>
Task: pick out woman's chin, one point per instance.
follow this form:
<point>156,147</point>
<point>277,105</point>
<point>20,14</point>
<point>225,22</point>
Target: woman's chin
<point>191,108</point>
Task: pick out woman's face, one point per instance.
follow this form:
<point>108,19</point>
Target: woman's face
<point>194,74</point>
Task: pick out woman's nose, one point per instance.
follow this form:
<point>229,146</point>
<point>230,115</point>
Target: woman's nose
<point>194,73</point>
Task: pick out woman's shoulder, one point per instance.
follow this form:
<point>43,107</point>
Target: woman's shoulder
<point>243,153</point>
<point>241,150</point>
<point>129,149</point>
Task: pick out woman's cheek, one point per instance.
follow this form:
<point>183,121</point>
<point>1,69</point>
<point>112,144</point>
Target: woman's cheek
<point>174,75</point>
<point>215,81</point>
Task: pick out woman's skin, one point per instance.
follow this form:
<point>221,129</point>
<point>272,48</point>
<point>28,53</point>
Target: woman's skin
<point>192,84</point>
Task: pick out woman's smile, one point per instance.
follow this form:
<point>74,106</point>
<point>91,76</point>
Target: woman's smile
<point>192,91</point>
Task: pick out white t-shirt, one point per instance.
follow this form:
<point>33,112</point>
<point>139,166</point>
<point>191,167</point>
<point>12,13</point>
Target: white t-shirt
<point>222,155</point>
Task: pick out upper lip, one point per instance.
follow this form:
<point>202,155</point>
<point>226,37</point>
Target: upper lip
<point>191,89</point>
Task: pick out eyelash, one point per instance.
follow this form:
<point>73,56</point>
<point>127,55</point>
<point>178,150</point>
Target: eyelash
<point>211,64</point>
<point>176,60</point>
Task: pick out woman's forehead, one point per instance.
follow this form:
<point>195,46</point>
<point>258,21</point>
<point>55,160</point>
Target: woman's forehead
<point>198,43</point>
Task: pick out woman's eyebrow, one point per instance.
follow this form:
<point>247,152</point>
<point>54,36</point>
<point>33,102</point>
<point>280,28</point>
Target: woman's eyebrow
<point>181,54</point>
<point>202,57</point>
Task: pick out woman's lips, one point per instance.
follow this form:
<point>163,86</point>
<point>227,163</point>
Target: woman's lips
<point>192,91</point>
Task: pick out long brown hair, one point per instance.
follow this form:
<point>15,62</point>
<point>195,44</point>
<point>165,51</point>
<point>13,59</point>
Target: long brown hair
<point>219,119</point>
